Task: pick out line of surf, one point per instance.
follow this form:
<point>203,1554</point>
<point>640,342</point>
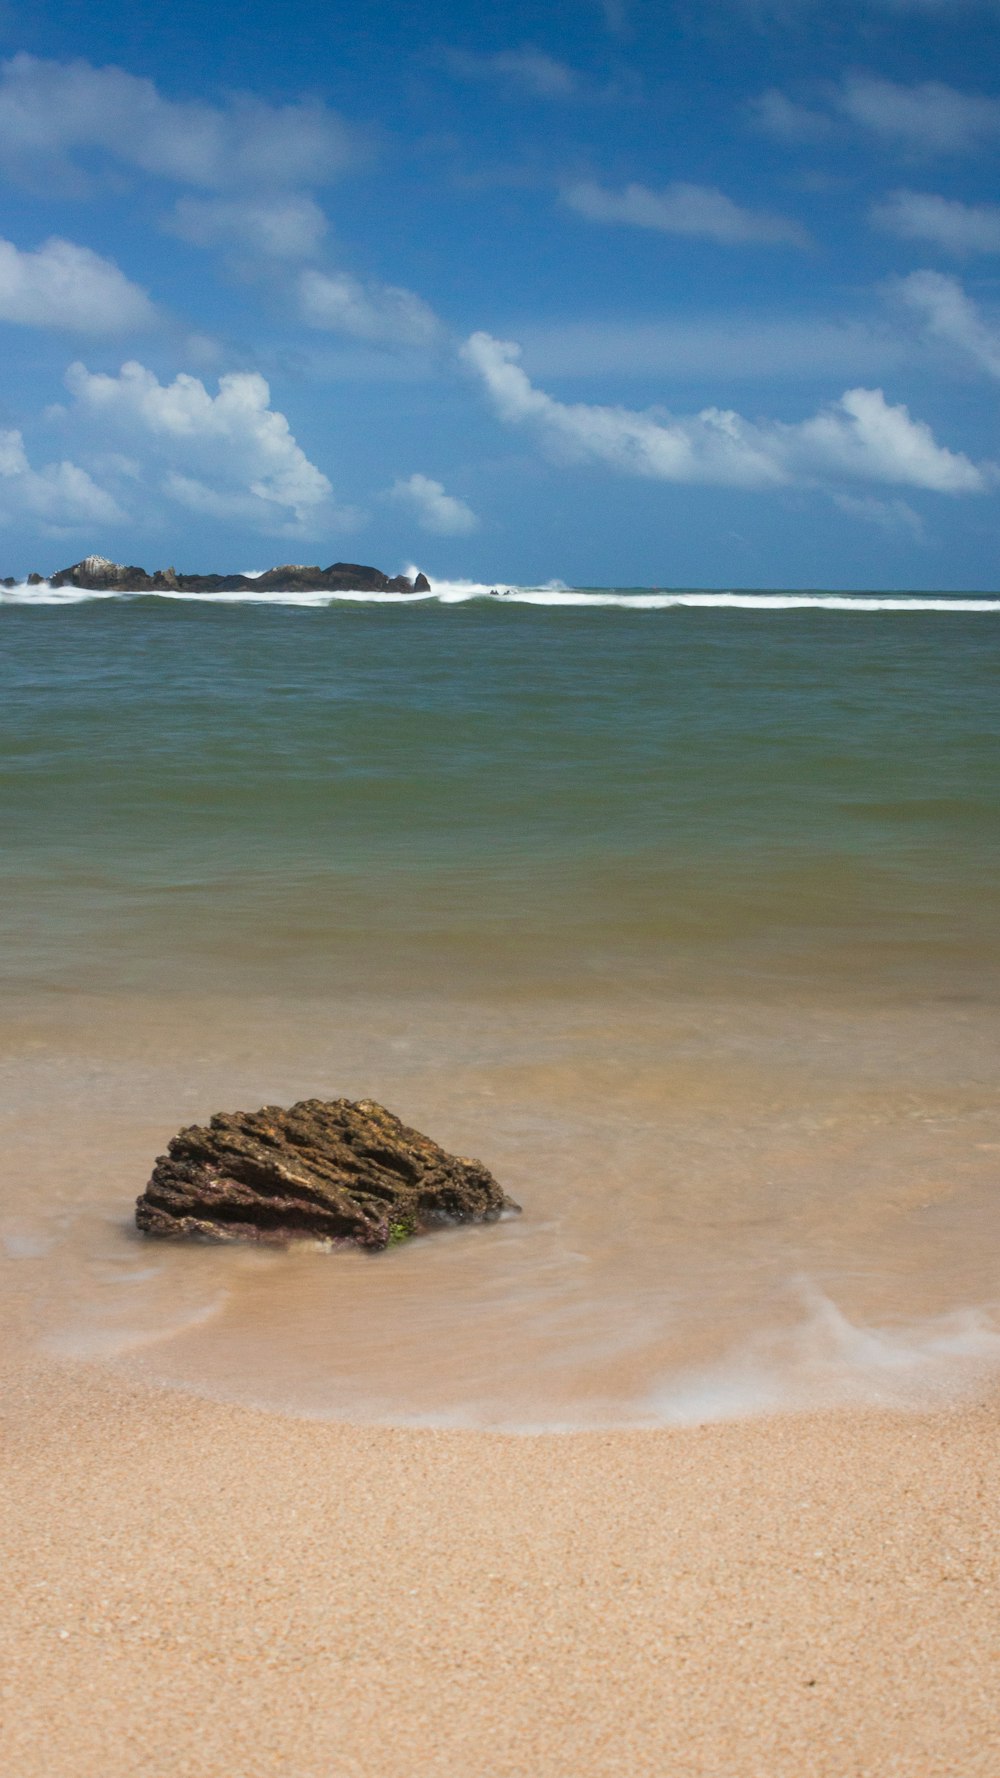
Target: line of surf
<point>553,597</point>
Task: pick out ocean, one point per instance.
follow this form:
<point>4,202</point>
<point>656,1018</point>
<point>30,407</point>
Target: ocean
<point>681,910</point>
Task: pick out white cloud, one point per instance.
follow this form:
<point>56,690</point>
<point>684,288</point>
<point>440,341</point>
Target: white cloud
<point>434,509</point>
<point>682,209</point>
<point>781,117</point>
<point>924,119</point>
<point>50,109</point>
<point>61,496</point>
<point>958,228</point>
<point>860,437</point>
<point>383,313</point>
<point>950,315</point>
<point>229,454</point>
<point>616,16</point>
<point>731,345</point>
<point>63,285</point>
<point>865,437</point>
<point>529,70</point>
<point>285,225</point>
<point>893,516</point>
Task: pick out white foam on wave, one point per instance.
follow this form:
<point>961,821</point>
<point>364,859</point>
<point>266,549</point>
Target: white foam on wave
<point>825,1360</point>
<point>111,1335</point>
<point>554,595</point>
<point>568,597</point>
<point>755,601</point>
<point>822,1361</point>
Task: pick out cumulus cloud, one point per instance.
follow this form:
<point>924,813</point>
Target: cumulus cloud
<point>229,454</point>
<point>861,437</point>
<point>864,436</point>
<point>528,70</point>
<point>61,496</point>
<point>926,118</point>
<point>385,314</point>
<point>433,509</point>
<point>682,209</point>
<point>280,226</point>
<point>950,315</point>
<point>51,110</point>
<point>956,227</point>
<point>63,285</point>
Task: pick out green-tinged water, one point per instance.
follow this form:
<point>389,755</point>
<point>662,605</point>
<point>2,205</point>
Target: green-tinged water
<point>498,796</point>
<point>685,918</point>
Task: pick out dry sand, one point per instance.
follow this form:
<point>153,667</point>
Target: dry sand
<point>194,1590</point>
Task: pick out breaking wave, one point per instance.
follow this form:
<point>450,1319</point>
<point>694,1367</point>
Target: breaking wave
<point>555,594</point>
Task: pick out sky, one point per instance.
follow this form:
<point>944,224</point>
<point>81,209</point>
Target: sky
<point>620,292</point>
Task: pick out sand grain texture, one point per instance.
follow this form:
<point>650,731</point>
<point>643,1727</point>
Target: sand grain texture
<point>197,1590</point>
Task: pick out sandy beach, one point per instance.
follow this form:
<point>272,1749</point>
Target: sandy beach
<point>500,913</point>
<point>685,925</point>
<point>202,1590</point>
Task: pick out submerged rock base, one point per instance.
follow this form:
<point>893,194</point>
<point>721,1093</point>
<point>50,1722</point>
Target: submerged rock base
<point>335,1170</point>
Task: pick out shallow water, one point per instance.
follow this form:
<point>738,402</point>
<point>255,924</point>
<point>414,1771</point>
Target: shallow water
<point>684,919</point>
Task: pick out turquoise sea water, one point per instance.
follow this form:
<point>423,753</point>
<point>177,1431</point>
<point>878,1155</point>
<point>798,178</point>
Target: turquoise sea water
<point>684,914</point>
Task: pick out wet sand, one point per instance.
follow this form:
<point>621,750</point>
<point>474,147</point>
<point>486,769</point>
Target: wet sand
<point>199,1589</point>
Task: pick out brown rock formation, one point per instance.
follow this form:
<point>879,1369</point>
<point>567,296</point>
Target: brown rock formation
<point>338,1171</point>
<point>97,573</point>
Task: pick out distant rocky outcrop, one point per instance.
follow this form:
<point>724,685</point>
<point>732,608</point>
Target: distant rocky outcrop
<point>340,1171</point>
<point>97,574</point>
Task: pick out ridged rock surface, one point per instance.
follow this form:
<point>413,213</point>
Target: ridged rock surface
<point>98,574</point>
<point>337,1170</point>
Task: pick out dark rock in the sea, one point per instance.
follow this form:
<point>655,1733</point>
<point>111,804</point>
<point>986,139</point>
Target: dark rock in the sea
<point>97,574</point>
<point>338,1171</point>
<point>352,577</point>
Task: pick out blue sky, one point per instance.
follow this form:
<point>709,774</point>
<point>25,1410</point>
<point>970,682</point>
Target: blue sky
<point>611,291</point>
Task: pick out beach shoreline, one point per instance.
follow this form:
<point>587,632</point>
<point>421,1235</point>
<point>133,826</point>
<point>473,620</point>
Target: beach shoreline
<point>206,1589</point>
<point>685,926</point>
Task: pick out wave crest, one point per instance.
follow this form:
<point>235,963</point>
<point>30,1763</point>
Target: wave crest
<point>554,595</point>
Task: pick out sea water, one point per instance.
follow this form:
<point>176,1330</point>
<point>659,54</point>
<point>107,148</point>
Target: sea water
<point>681,910</point>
